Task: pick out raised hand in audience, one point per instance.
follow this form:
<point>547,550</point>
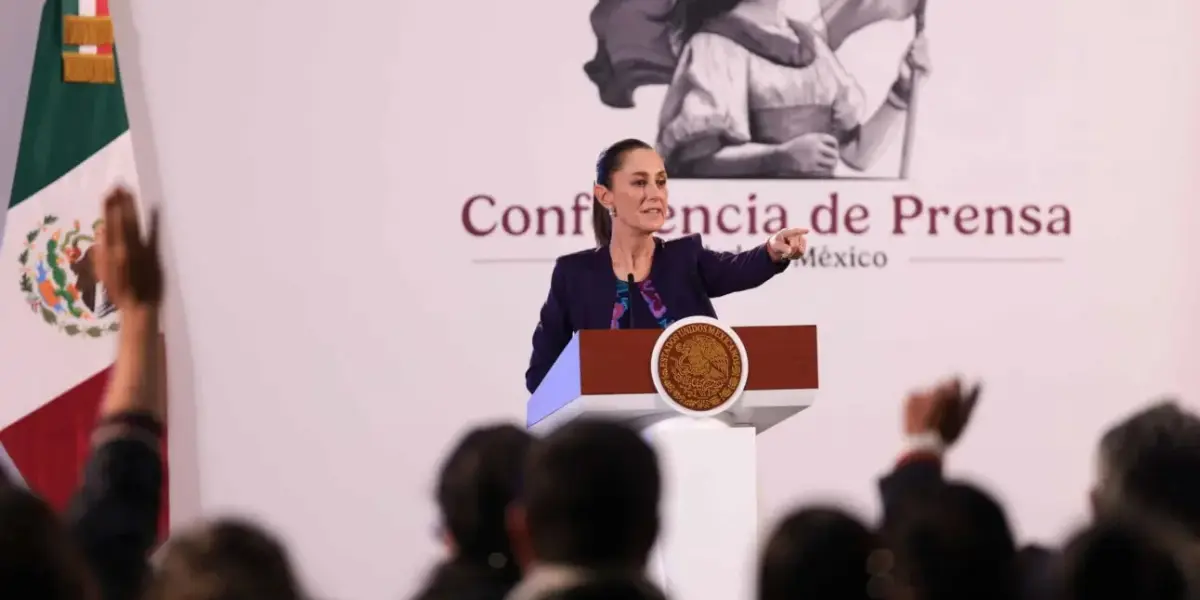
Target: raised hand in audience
<point>934,419</point>
<point>113,516</point>
<point>940,413</point>
<point>128,264</point>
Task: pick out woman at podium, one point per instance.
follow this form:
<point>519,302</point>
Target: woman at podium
<point>633,279</point>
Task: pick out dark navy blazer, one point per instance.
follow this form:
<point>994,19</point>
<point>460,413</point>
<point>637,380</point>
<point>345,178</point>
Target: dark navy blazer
<point>685,273</point>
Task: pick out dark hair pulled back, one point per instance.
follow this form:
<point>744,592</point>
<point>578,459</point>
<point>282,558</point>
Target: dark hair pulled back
<point>610,160</point>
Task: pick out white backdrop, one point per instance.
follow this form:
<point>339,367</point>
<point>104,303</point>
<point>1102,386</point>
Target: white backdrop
<point>335,325</point>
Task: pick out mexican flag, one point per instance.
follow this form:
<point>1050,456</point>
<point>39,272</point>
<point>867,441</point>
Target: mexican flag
<point>57,328</point>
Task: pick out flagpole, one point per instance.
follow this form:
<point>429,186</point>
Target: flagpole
<point>910,119</point>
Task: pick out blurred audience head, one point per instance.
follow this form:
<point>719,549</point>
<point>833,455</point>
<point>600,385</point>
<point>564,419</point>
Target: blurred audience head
<point>1117,561</point>
<point>608,589</point>
<point>225,560</point>
<point>955,544</point>
<point>1147,467</point>
<point>822,553</point>
<point>590,498</point>
<point>38,558</point>
<point>478,483</point>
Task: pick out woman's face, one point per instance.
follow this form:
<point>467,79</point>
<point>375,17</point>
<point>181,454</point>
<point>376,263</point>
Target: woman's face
<point>638,191</point>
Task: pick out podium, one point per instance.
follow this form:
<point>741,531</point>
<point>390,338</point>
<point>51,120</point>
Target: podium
<point>700,392</point>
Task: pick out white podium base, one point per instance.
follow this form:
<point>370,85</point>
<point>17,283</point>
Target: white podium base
<point>709,539</point>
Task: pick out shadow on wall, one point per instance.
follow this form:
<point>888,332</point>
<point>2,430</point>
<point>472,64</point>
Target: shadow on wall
<point>181,409</point>
<point>18,38</point>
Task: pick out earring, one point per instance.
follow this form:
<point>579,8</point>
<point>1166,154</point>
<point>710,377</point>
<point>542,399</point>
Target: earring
<point>612,212</point>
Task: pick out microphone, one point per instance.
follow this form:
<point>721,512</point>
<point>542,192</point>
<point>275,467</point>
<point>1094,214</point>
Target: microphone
<point>632,287</point>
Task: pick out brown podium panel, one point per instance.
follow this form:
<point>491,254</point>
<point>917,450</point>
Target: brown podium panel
<point>618,361</point>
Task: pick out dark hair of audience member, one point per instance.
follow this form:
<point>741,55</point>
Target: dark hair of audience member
<point>1117,561</point>
<point>1149,462</point>
<point>225,560</point>
<point>478,482</point>
<point>38,557</point>
<point>608,589</point>
<point>591,496</point>
<point>822,553</point>
<point>955,544</point>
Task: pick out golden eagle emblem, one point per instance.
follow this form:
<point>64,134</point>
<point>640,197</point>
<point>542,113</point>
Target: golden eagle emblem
<point>699,366</point>
<point>58,279</point>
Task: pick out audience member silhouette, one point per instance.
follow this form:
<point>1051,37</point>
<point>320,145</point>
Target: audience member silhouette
<point>38,557</point>
<point>588,507</point>
<point>477,485</point>
<point>823,553</point>
<point>1148,467</point>
<point>225,560</point>
<point>956,544</point>
<point>1116,560</point>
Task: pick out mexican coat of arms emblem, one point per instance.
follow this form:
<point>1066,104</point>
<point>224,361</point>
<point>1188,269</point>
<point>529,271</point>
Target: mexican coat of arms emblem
<point>59,281</point>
